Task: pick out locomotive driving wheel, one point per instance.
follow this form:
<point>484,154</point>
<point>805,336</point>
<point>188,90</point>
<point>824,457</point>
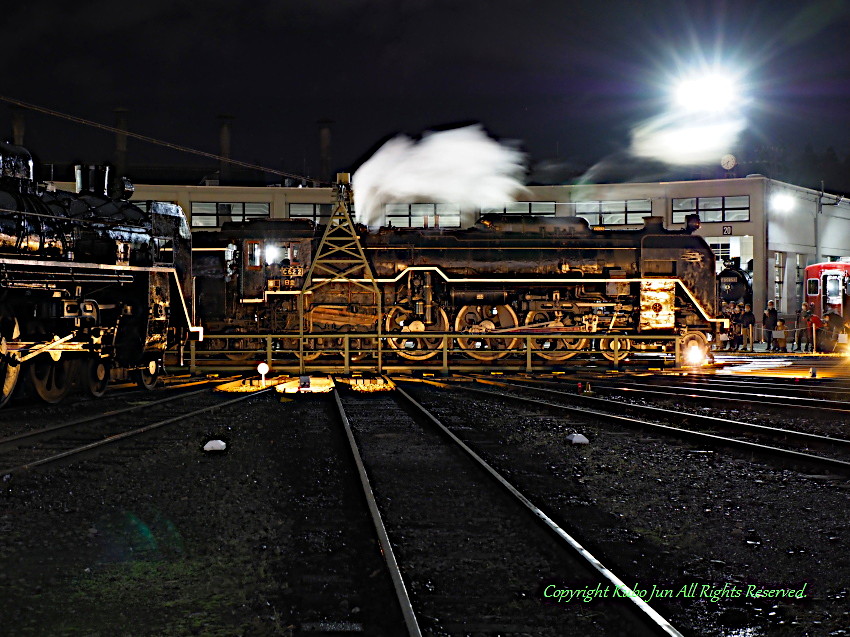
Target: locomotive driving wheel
<point>96,371</point>
<point>553,349</point>
<point>51,379</point>
<point>9,373</point>
<point>606,345</point>
<point>414,344</point>
<point>481,319</point>
<point>147,377</point>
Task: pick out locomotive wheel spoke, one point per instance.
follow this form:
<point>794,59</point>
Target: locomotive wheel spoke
<point>51,379</point>
<point>480,319</point>
<point>9,373</point>
<point>553,349</point>
<point>413,346</point>
<point>239,344</point>
<point>607,347</point>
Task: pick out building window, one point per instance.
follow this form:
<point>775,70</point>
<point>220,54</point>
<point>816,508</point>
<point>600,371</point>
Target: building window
<point>422,215</point>
<point>712,209</point>
<point>722,251</point>
<point>212,215</point>
<point>536,208</point>
<point>317,212</point>
<point>614,213</point>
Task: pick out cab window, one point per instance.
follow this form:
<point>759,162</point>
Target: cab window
<point>812,287</point>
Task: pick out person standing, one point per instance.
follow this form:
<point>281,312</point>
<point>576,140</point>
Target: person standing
<point>814,324</point>
<point>771,316</point>
<point>748,323</point>
<point>801,329</point>
<point>735,327</point>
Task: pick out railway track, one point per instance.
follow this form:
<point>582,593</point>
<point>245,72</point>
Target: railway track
<point>474,553</point>
<point>813,389</point>
<point>75,439</point>
<point>797,443</point>
<point>116,394</point>
<point>732,397</point>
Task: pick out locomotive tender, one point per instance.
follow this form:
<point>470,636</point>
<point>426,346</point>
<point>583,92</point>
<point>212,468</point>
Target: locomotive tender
<point>90,287</point>
<point>490,286</point>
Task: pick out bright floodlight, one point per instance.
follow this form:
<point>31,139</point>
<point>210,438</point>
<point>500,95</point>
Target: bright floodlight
<point>782,202</point>
<point>711,93</point>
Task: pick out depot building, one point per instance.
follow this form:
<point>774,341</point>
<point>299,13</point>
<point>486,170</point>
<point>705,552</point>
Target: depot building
<point>774,228</point>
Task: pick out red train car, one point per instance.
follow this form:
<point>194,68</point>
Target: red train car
<point>828,287</point>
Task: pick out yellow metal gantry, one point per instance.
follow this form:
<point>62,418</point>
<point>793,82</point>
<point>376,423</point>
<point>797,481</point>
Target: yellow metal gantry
<point>339,259</point>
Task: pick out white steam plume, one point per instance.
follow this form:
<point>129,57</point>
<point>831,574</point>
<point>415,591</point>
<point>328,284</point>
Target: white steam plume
<point>462,166</point>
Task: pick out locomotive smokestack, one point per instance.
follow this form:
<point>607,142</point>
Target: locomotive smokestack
<point>224,147</point>
<point>121,142</point>
<point>92,179</point>
<point>18,126</point>
<point>325,148</point>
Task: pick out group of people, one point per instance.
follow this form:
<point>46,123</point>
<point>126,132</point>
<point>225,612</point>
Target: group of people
<point>776,335</point>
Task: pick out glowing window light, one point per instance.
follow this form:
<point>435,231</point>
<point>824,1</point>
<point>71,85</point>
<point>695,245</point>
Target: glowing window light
<point>272,254</point>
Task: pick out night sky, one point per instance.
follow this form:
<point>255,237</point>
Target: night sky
<point>567,80</point>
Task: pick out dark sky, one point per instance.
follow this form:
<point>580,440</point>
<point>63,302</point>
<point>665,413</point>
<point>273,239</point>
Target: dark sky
<point>565,79</point>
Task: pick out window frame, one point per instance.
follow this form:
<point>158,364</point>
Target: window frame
<point>410,215</point>
<point>239,216</point>
<point>321,212</point>
<point>809,287</point>
<point>633,211</point>
<point>726,213</point>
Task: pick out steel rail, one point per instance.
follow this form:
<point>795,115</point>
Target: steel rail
<point>127,434</point>
<point>11,441</point>
<point>656,618</point>
<point>797,387</point>
<point>724,395</point>
<point>761,398</point>
<point>386,546</point>
<point>709,420</point>
<point>667,429</point>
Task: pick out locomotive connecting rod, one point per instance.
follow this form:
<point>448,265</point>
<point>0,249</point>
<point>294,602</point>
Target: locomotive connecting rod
<point>47,347</point>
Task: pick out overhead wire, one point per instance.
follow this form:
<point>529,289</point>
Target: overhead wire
<point>158,142</point>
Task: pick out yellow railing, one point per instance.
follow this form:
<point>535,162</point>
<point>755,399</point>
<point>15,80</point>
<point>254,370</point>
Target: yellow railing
<point>354,351</point>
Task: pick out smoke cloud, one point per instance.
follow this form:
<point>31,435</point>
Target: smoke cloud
<point>463,166</point>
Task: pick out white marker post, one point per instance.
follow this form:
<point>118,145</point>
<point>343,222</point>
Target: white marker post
<point>262,370</point>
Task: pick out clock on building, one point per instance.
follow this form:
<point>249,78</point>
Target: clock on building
<point>728,162</point>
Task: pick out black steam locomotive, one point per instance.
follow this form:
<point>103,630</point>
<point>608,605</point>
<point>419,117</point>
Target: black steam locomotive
<point>734,284</point>
<point>91,287</point>
<point>490,285</point>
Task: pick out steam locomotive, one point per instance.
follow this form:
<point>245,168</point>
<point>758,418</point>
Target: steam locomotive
<point>489,286</point>
<point>734,284</point>
<point>91,287</point>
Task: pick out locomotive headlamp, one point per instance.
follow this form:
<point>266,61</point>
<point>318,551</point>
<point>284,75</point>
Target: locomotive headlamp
<point>694,355</point>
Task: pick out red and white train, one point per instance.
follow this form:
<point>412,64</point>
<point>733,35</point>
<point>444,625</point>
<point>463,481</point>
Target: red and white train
<point>827,287</point>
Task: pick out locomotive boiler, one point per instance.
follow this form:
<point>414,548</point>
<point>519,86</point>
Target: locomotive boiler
<point>485,289</point>
<point>91,287</point>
